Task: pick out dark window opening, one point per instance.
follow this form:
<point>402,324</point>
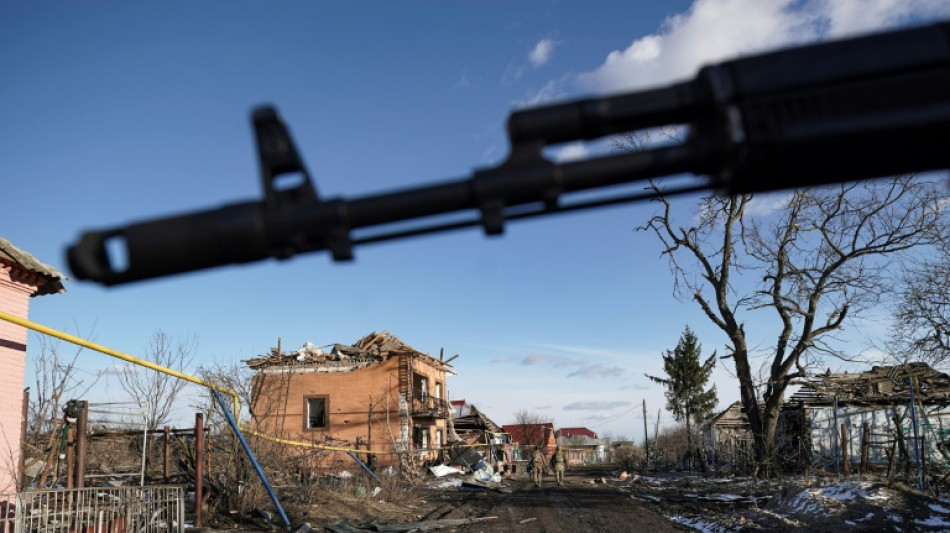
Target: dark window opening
<point>420,437</point>
<point>420,387</point>
<point>317,413</point>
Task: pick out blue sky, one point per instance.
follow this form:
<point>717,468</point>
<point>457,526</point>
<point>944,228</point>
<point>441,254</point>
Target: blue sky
<point>114,112</point>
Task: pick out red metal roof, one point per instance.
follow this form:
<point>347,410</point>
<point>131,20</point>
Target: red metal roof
<point>574,432</point>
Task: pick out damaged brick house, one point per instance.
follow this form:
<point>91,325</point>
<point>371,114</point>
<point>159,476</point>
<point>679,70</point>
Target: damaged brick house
<point>22,277</point>
<point>377,394</point>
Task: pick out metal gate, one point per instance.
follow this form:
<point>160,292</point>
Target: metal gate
<point>101,510</point>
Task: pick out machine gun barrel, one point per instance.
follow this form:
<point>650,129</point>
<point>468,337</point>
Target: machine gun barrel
<point>855,109</point>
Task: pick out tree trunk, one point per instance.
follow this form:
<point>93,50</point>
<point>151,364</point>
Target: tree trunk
<point>689,444</point>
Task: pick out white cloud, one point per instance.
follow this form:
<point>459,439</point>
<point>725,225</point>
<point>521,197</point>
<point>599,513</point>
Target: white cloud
<point>541,53</point>
<point>574,151</point>
<point>714,30</point>
<point>763,204</point>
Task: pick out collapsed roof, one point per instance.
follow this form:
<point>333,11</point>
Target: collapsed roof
<point>881,384</point>
<point>372,348</point>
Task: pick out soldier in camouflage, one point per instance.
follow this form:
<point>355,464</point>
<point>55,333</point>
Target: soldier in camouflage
<point>537,466</point>
<point>559,462</point>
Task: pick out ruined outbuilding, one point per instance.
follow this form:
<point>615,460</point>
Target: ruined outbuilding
<point>873,407</point>
<point>728,439</point>
<point>477,431</point>
<point>377,394</point>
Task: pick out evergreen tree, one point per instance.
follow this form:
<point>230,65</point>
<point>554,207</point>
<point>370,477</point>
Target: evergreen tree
<point>686,395</point>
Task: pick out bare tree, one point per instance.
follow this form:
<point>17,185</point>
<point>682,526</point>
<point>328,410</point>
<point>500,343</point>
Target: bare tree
<point>159,390</point>
<point>821,258</point>
<point>921,330</point>
<point>57,380</point>
<point>531,426</point>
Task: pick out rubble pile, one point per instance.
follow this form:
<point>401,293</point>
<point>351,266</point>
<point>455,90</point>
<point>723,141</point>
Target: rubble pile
<point>310,354</point>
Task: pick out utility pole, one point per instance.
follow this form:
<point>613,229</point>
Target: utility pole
<point>646,434</point>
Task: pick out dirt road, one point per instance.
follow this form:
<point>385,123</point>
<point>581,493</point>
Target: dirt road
<point>577,506</point>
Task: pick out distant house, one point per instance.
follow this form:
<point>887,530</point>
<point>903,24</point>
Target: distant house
<point>527,437</point>
<point>728,439</point>
<point>575,432</point>
<point>378,394</point>
<point>22,277</point>
<point>581,446</point>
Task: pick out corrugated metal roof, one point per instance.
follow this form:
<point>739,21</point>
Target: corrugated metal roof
<point>53,285</point>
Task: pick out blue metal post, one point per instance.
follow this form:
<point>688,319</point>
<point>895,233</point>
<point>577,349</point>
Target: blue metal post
<point>362,464</point>
<point>250,455</point>
<point>837,440</point>
<point>917,450</point>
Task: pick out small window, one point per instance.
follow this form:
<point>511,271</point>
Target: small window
<point>438,391</point>
<point>438,438</point>
<point>420,437</point>
<point>316,412</point>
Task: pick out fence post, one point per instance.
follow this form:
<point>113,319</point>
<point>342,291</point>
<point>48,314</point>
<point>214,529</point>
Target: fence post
<point>82,425</point>
<point>166,451</point>
<point>834,433</point>
<point>913,419</point>
<point>845,451</point>
<point>199,466</point>
<point>865,447</point>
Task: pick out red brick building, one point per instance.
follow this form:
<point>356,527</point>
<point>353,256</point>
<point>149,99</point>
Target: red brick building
<point>22,277</point>
<point>378,394</point>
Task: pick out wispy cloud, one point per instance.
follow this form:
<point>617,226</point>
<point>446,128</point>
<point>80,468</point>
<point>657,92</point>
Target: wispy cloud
<point>596,371</point>
<point>465,80</point>
<point>541,53</point>
<point>764,204</point>
<point>549,359</point>
<point>551,90</point>
<point>117,370</point>
<point>502,360</point>
<point>595,406</point>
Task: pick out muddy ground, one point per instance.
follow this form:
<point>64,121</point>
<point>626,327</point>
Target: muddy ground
<point>592,499</point>
<point>580,505</point>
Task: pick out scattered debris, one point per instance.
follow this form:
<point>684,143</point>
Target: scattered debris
<point>425,525</point>
<point>478,485</point>
<point>443,470</point>
<point>526,520</point>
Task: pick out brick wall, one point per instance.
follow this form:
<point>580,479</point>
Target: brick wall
<point>280,404</point>
<point>15,293</point>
